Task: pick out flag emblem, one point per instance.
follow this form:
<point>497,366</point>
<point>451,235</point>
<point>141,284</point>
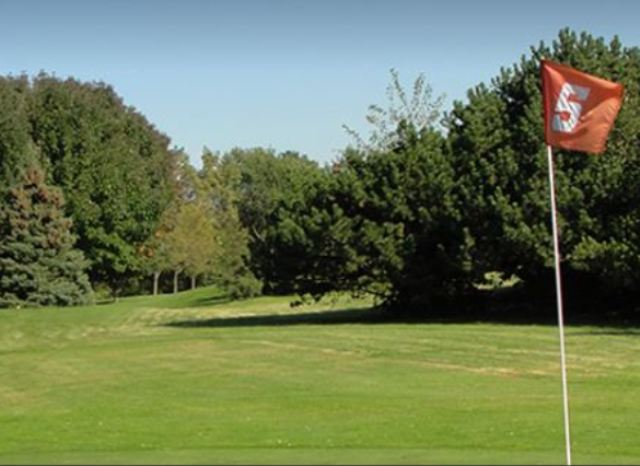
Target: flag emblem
<point>579,108</point>
<point>569,107</point>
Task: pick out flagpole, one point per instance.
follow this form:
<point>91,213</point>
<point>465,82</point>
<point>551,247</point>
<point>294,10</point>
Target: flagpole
<point>556,253</point>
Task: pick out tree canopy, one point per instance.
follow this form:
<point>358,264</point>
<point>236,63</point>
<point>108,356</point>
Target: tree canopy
<point>421,214</point>
<point>498,150</point>
<point>416,213</point>
<point>112,165</point>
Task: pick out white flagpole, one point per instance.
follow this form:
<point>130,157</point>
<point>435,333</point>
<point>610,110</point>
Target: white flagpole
<point>556,252</point>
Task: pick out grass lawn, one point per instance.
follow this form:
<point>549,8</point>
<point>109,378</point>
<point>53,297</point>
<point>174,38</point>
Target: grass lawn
<point>193,378</point>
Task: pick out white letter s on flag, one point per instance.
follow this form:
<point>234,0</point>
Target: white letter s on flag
<point>568,107</point>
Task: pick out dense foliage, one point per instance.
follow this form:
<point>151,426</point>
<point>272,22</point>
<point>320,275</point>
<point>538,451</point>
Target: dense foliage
<point>38,264</point>
<point>498,153</point>
<point>112,165</point>
<point>268,187</point>
<point>230,256</point>
<point>417,213</point>
<point>383,222</point>
<point>420,216</point>
<point>405,219</point>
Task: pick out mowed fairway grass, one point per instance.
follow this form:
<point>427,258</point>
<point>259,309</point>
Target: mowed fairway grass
<point>193,378</point>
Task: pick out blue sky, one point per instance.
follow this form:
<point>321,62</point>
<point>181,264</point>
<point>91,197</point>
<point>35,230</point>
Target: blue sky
<point>284,74</point>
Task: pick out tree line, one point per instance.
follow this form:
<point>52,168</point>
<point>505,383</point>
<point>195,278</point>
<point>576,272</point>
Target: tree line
<point>417,213</point>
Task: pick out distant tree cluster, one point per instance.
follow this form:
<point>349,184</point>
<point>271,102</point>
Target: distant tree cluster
<point>101,155</point>
<point>417,213</point>
<point>90,189</point>
<point>200,234</point>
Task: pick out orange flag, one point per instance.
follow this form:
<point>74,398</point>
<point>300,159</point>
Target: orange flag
<point>579,109</point>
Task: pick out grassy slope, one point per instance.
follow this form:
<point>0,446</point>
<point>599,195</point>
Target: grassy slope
<point>109,384</point>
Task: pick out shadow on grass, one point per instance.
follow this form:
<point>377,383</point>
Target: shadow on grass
<point>200,301</point>
<point>342,316</point>
<point>611,332</point>
<point>606,321</point>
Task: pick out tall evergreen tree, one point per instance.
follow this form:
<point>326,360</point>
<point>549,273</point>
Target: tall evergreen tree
<point>499,157</point>
<point>38,264</point>
<point>385,223</point>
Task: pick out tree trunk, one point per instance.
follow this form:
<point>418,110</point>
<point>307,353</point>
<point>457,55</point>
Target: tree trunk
<point>156,279</point>
<point>175,280</point>
<point>193,282</point>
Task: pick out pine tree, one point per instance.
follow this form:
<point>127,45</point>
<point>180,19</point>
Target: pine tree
<point>499,157</point>
<point>38,263</point>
